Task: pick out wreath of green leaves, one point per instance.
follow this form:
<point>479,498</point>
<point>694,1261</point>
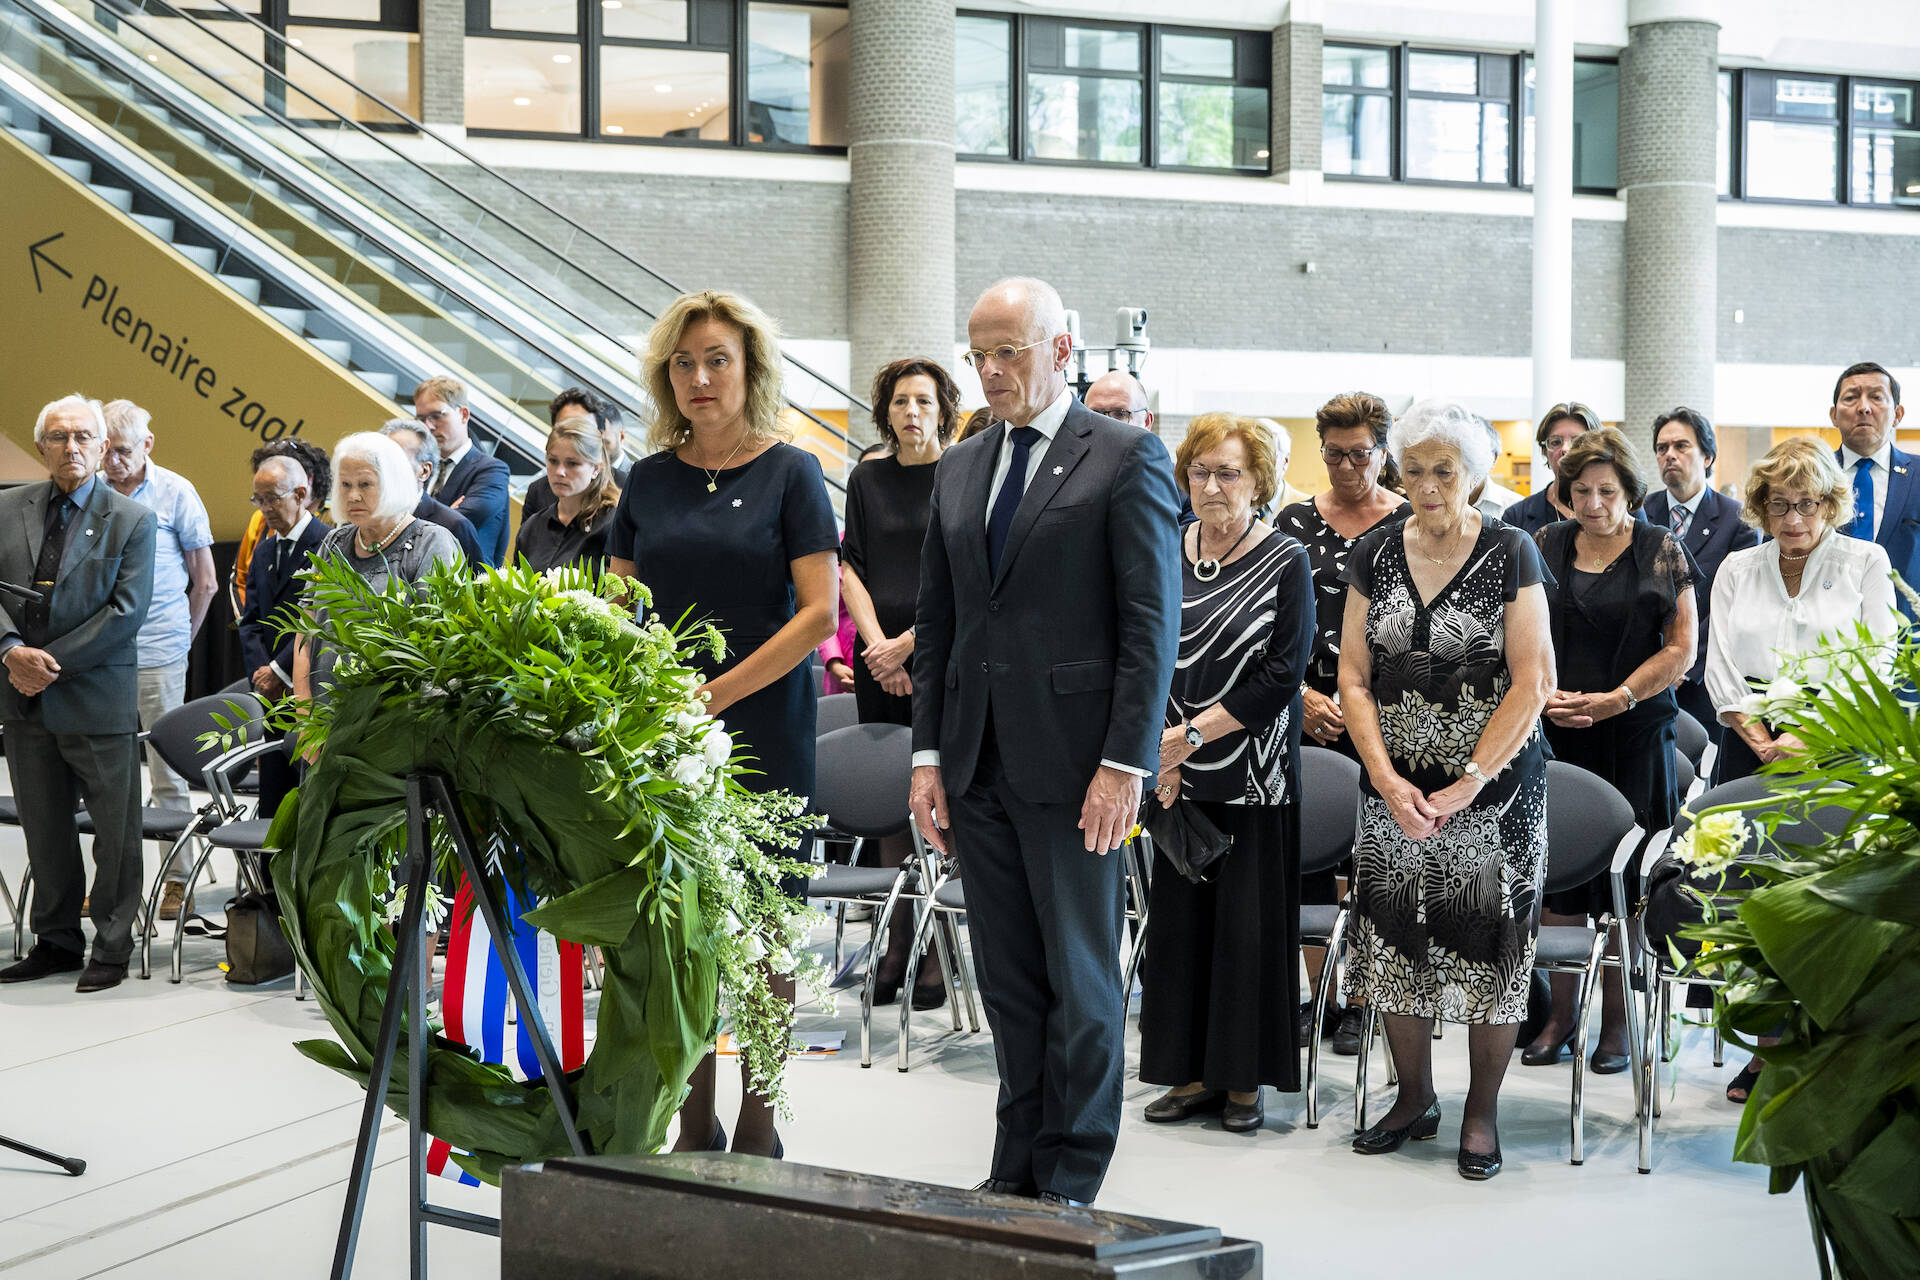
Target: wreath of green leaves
<point>584,758</point>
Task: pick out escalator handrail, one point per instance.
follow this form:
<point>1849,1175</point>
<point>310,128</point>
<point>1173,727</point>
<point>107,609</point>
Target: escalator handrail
<point>287,47</point>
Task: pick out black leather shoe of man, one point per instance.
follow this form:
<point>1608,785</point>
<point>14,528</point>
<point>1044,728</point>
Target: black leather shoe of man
<point>101,976</point>
<point>1346,1039</point>
<point>1065,1202</point>
<point>43,961</point>
<point>1170,1107</point>
<point>1005,1187</point>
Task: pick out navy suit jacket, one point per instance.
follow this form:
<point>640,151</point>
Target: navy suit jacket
<point>272,596</point>
<point>1069,649</point>
<point>1716,530</point>
<point>1899,530</point>
<point>434,511</point>
<point>479,485</point>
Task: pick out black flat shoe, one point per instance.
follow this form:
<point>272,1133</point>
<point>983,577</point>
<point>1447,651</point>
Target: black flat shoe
<point>929,997</point>
<point>1170,1107</point>
<point>1244,1117</point>
<point>1478,1166</point>
<point>1007,1187</point>
<point>1380,1140</point>
<point>1534,1056</point>
<point>1347,1037</point>
<point>1603,1063</point>
<point>1065,1202</point>
<point>100,976</point>
<point>43,961</point>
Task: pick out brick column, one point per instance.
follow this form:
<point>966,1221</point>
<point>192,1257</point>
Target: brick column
<point>900,207</point>
<point>1295,99</point>
<point>443,62</point>
<point>1668,103</point>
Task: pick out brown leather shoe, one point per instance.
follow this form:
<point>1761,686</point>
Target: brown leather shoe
<point>173,900</point>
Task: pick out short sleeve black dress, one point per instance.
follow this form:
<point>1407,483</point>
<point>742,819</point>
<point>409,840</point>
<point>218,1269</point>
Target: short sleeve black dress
<point>1605,625</point>
<point>725,557</point>
<point>887,513</point>
<point>1445,927</point>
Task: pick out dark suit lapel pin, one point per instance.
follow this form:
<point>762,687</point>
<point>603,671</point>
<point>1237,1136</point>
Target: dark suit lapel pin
<point>1899,471</point>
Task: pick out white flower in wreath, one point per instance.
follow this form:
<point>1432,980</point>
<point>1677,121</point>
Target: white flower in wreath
<point>689,771</point>
<point>689,722</point>
<point>1784,689</point>
<point>717,746</point>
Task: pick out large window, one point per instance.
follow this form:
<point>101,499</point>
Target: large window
<point>372,43</point>
<point>1068,91</point>
<point>692,72</point>
<point>1446,115</point>
<point>1822,139</point>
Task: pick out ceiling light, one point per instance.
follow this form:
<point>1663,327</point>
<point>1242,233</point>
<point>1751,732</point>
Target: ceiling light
<point>153,57</point>
<point>523,102</point>
<point>1259,155</point>
<point>663,88</point>
<point>609,4</point>
<point>563,58</point>
<point>614,128</point>
<point>294,43</point>
<point>1913,188</point>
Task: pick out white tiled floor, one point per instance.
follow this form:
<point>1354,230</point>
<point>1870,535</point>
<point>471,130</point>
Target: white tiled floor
<point>216,1150</point>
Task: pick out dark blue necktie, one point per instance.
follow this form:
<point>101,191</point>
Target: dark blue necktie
<point>1007,501</point>
<point>1863,500</point>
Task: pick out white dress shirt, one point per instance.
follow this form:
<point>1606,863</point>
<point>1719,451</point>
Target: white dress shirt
<point>447,463</point>
<point>1047,423</point>
<point>1882,476</point>
<point>1847,580</point>
<point>1691,506</point>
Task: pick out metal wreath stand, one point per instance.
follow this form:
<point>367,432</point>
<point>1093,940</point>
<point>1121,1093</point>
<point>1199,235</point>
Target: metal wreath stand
<point>429,792</point>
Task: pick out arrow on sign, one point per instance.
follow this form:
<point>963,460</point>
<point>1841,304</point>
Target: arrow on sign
<point>36,257</point>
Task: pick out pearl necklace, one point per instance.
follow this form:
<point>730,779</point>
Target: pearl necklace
<point>366,549</point>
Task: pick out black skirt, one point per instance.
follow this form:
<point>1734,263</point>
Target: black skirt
<point>1220,1000</point>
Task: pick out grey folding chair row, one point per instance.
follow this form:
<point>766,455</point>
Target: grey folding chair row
<point>1653,975</point>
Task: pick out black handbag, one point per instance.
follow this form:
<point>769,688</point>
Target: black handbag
<point>1185,837</point>
<point>257,950</point>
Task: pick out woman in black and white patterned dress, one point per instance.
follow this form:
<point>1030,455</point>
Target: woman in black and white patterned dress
<point>1446,665</point>
<point>1218,1008</point>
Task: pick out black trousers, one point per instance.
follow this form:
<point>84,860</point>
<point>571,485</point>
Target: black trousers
<point>1045,918</point>
<point>51,773</point>
<point>1693,699</point>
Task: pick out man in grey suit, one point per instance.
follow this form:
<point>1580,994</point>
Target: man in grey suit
<point>69,704</point>
<point>1044,643</point>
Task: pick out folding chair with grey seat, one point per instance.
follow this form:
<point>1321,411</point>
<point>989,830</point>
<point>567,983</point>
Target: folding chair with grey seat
<point>1693,740</point>
<point>1329,813</point>
<point>1684,778</point>
<point>1590,832</point>
<point>249,784</point>
<point>834,711</point>
<point>1670,902</point>
<point>243,837</point>
<point>186,738</point>
<point>862,778</point>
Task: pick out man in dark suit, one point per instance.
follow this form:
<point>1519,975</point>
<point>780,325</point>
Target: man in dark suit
<point>280,491</point>
<point>578,402</point>
<point>465,479</point>
<point>1708,524</point>
<point>1044,644</point>
<point>69,703</point>
<point>1886,490</point>
<point>424,453</point>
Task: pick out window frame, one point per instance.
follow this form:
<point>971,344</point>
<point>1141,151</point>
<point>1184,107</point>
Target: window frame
<point>589,38</point>
<point>401,17</point>
<point>1149,77</point>
<point>1843,136</point>
<point>1391,92</point>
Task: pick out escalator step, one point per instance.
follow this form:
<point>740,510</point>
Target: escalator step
<point>41,142</point>
<point>387,384</point>
<point>295,318</point>
<point>201,256</point>
<point>247,287</point>
<point>6,114</point>
<point>81,169</point>
<point>367,289</point>
<point>338,350</point>
<point>162,227</point>
<point>119,197</point>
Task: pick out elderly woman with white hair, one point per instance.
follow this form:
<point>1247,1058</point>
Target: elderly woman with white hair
<point>1445,665</point>
<point>375,490</point>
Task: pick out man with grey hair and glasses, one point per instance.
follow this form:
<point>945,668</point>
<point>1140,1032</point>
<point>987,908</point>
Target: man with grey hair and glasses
<point>423,451</point>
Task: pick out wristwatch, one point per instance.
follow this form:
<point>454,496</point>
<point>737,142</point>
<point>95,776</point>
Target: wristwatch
<point>1632,701</point>
<point>1478,774</point>
<point>1194,739</point>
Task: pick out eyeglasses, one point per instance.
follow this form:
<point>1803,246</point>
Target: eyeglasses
<point>1355,458</point>
<point>1119,415</point>
<point>61,439</point>
<point>437,415</point>
<point>1004,353</point>
<point>1780,506</point>
<point>270,499</point>
<point>1197,477</point>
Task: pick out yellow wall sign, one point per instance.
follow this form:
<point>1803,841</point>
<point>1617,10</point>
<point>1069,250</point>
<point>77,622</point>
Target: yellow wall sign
<point>96,304</point>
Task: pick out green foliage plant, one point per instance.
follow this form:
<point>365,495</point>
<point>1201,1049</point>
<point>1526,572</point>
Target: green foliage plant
<point>585,759</point>
<point>1820,945</point>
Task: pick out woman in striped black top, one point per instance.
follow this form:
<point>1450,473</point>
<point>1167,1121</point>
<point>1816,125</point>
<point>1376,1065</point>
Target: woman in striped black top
<point>1219,1010</point>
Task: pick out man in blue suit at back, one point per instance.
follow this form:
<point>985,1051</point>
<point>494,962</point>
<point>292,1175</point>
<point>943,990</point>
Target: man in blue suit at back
<point>1886,486</point>
<point>469,481</point>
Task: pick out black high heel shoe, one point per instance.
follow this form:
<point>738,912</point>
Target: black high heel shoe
<point>1532,1057</point>
<point>719,1140</point>
<point>929,996</point>
<point>1478,1166</point>
<point>885,992</point>
<point>1380,1140</point>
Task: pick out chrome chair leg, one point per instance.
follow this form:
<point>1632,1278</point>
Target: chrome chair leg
<point>1719,1045</point>
<point>1386,1049</point>
<point>1327,970</point>
<point>153,902</point>
<point>299,983</point>
<point>923,925</point>
<point>1660,1034</point>
<point>876,947</point>
<point>951,922</point>
<point>1577,1109</point>
<point>1668,1041</point>
<point>22,929</point>
<point>1367,1020</point>
<point>180,922</point>
<point>944,949</point>
<point>839,936</point>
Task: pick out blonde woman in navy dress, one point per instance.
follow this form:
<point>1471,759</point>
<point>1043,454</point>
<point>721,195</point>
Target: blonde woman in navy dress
<point>727,522</point>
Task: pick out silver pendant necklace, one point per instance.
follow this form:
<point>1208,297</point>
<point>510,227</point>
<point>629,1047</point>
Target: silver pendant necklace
<point>1208,570</point>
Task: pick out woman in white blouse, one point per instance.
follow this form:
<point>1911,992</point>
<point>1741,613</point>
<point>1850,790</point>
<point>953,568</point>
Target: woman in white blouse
<point>1782,597</point>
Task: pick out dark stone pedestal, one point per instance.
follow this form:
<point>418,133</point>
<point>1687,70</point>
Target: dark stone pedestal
<point>731,1217</point>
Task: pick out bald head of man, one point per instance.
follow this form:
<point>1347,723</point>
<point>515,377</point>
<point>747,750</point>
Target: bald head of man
<point>1019,344</point>
<point>1121,397</point>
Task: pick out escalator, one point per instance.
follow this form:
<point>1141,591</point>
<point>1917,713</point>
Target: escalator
<point>366,242</point>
